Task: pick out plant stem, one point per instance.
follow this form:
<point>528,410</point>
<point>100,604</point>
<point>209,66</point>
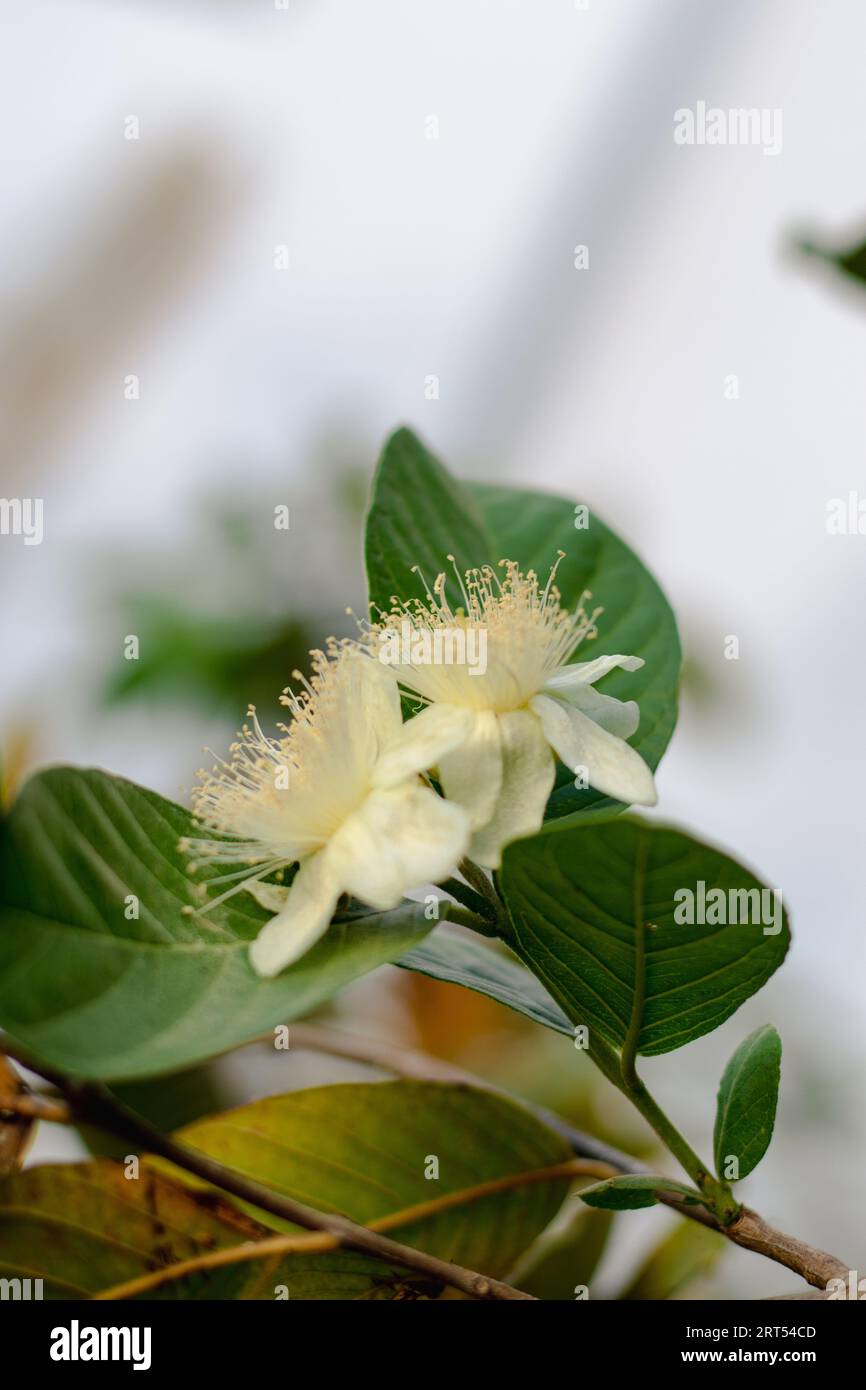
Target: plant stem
<point>719,1196</point>
<point>477,879</point>
<point>469,898</point>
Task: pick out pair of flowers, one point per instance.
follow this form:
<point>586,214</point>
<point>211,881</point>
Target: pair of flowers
<point>342,791</point>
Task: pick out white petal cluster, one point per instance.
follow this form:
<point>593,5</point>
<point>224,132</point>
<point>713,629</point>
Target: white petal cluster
<point>341,792</point>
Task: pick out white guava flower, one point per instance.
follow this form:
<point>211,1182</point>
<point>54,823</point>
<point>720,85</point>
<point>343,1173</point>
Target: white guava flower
<point>512,701</point>
<point>337,793</point>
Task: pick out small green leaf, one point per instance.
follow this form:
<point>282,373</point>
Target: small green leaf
<point>419,515</point>
<point>630,1191</point>
<point>101,993</point>
<point>746,1106</point>
<point>596,916</point>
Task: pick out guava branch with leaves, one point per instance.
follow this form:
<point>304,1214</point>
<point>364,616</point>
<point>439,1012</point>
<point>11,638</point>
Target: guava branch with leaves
<point>456,741</point>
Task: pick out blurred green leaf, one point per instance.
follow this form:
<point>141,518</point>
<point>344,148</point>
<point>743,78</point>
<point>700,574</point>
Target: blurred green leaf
<point>85,1227</point>
<point>367,1151</point>
<point>688,1252</point>
<point>82,1227</point>
<point>851,262</point>
<point>223,662</point>
<point>559,1263</point>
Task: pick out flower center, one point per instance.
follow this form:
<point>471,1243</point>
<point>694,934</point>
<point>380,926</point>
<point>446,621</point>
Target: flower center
<point>495,650</point>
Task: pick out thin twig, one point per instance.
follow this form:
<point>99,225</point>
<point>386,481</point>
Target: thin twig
<point>95,1104</point>
<point>815,1266</point>
<point>31,1107</point>
<point>280,1246</point>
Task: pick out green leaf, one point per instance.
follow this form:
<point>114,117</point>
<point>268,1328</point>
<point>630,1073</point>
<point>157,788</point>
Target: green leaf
<point>628,1192</point>
<point>851,262</point>
<point>594,915</point>
<point>82,1227</point>
<point>86,1227</point>
<point>419,515</point>
<point>487,969</point>
<point>565,1258</point>
<point>687,1253</point>
<point>365,1150</point>
<point>100,995</point>
<point>746,1105</point>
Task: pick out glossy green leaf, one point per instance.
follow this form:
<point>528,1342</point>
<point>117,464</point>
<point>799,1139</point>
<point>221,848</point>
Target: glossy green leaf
<point>628,1192</point>
<point>492,970</point>
<point>746,1105</point>
<point>420,514</point>
<point>371,1150</point>
<point>102,995</point>
<point>594,914</point>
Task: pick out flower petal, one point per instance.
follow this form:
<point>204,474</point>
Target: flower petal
<point>271,896</point>
<point>612,766</point>
<point>528,774</point>
<point>588,672</point>
<point>421,742</point>
<point>304,918</point>
<point>375,710</point>
<point>471,774</point>
<point>620,717</point>
<point>400,837</point>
